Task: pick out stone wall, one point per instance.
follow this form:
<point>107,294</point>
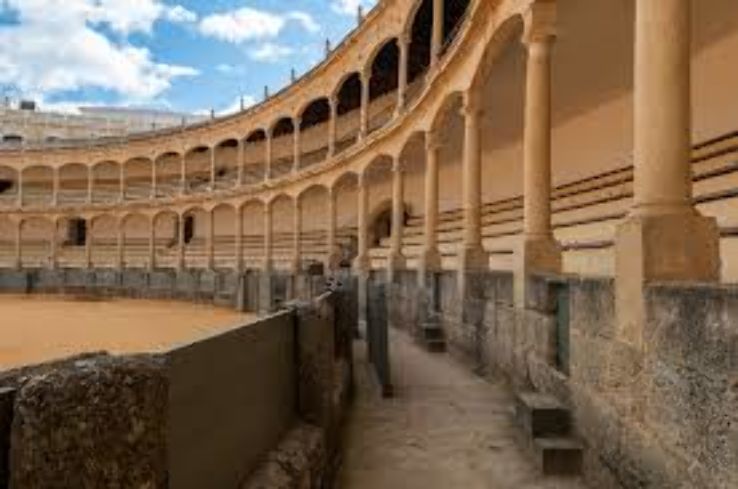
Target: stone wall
<point>665,415</point>
<point>205,414</point>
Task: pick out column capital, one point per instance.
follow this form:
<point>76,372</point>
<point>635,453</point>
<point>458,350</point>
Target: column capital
<point>398,165</point>
<point>540,23</point>
<point>433,140</point>
<point>471,105</point>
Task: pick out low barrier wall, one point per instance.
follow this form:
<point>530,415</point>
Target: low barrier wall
<point>665,415</point>
<point>250,291</point>
<point>206,414</point>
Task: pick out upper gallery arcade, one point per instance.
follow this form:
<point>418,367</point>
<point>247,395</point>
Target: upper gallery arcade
<point>534,135</point>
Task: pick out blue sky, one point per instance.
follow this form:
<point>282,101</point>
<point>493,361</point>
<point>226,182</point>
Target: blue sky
<point>183,55</point>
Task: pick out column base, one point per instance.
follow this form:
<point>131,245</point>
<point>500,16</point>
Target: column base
<point>296,266</point>
<point>430,260</point>
<point>333,262</point>
<point>473,259</point>
<point>362,263</point>
<point>681,246</point>
<point>534,255</point>
<point>395,262</point>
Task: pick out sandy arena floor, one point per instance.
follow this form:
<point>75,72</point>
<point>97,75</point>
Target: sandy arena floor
<point>35,329</point>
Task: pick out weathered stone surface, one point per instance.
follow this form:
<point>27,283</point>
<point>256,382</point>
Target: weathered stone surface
<point>93,423</point>
<point>295,464</point>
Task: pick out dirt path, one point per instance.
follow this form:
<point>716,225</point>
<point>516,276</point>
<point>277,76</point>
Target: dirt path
<point>444,429</point>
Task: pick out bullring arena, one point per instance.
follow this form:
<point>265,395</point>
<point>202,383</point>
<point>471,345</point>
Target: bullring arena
<point>515,217</point>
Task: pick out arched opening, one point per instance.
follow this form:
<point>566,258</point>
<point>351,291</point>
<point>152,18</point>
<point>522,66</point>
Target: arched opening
<point>345,190</point>
<point>455,12</point>
<point>38,185</point>
<point>71,238</point>
<point>7,242</point>
<point>168,174</point>
<point>348,99</point>
<point>35,240</point>
<point>13,139</point>
<point>254,154</point>
<point>224,236</point>
<point>135,241</point>
<point>252,216</point>
<point>413,161</point>
<point>378,180</point>
<point>197,170</point>
<point>104,237</point>
<point>195,249</point>
<point>138,181</point>
<point>283,211</point>
<point>73,184</point>
<point>105,182</point>
<point>383,81</point>
<point>314,219</point>
<point>8,186</point>
<point>315,132</point>
<point>419,54</point>
<point>166,239</point>
<point>283,147</point>
<point>226,164</point>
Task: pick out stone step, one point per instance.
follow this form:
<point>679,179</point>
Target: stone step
<point>433,337</point>
<point>559,456</point>
<point>542,416</point>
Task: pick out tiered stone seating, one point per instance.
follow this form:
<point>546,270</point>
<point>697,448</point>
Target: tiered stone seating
<point>585,214</point>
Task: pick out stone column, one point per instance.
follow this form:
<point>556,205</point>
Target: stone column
<point>297,148</point>
<point>362,263</point>
<point>122,183</point>
<point>210,241</point>
<point>365,94</point>
<point>153,179</point>
<point>269,151</point>
<point>152,245</point>
<point>88,244</point>
<point>663,238</point>
<point>241,162</point>
<point>181,243</point>
<point>538,251</point>
<point>396,260</point>
<point>55,187</point>
<point>430,259</point>
<point>18,245</point>
<point>54,242</point>
<point>404,46</point>
<point>90,184</point>
<point>437,33</point>
<point>121,245</point>
<point>212,168</point>
<point>20,188</point>
<point>268,238</point>
<point>183,175</point>
<point>332,125</point>
<point>334,258</point>
<point>297,237</point>
<point>238,229</point>
<point>472,255</point>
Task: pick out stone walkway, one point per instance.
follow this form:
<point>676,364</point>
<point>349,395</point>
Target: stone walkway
<point>444,429</point>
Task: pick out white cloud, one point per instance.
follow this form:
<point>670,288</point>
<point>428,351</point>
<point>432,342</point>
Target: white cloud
<point>350,7</point>
<point>249,24</point>
<point>235,107</point>
<point>46,53</point>
<point>270,52</point>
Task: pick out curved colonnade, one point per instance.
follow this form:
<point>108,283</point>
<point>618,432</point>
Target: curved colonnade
<point>307,175</point>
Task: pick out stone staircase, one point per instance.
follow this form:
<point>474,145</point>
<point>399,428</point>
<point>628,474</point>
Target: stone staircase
<point>547,432</point>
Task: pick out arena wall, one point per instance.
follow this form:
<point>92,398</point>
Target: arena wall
<point>202,414</point>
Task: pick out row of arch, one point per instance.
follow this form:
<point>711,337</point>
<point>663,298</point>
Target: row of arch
<point>290,143</point>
